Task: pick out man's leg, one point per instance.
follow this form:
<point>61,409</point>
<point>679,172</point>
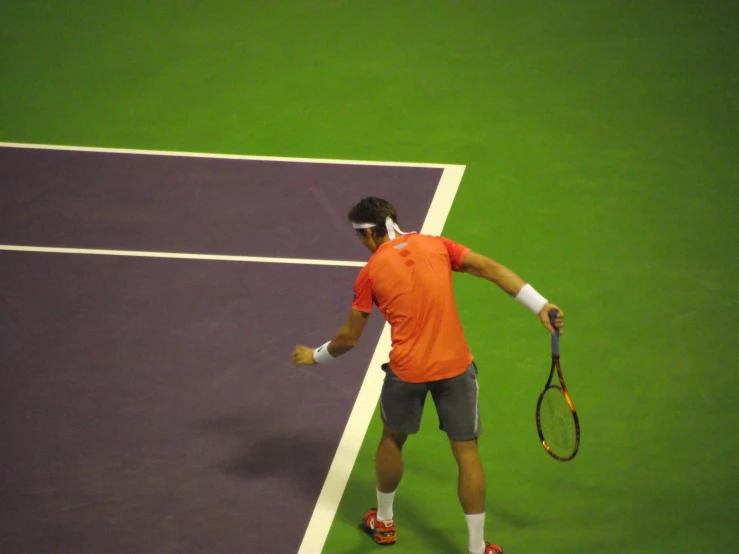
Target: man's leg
<point>459,416</point>
<point>388,470</point>
<point>401,407</point>
<point>471,491</point>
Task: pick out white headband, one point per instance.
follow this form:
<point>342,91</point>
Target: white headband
<point>390,225</point>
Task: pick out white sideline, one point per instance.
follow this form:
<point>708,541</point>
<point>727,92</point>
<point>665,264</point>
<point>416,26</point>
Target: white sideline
<point>183,256</point>
<point>364,406</point>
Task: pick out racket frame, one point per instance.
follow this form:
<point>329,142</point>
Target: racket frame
<point>562,388</point>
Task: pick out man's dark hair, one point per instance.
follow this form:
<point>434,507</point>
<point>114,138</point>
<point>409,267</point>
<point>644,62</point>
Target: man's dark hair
<point>373,210</point>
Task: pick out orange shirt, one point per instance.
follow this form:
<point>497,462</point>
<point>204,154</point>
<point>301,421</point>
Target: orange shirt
<point>410,280</point>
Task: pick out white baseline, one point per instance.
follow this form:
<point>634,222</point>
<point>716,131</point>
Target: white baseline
<point>33,146</point>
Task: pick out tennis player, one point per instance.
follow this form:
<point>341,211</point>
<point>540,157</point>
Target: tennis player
<point>409,278</point>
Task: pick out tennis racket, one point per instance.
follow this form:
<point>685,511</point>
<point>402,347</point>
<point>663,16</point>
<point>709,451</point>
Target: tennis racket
<point>556,417</point>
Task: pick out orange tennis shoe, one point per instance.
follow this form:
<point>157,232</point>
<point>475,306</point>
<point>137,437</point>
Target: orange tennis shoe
<point>382,532</point>
<point>492,549</point>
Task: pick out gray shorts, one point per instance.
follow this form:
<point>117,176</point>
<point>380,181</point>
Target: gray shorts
<point>456,400</point>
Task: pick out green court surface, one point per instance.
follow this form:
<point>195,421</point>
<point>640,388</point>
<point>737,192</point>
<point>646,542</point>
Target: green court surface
<point>601,145</point>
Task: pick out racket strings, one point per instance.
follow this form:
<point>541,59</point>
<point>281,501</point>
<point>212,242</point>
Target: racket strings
<point>558,423</point>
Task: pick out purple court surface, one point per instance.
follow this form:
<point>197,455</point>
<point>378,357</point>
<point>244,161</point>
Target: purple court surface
<point>199,205</point>
<point>149,404</point>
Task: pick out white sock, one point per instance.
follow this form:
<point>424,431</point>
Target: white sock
<point>385,505</point>
<point>476,532</point>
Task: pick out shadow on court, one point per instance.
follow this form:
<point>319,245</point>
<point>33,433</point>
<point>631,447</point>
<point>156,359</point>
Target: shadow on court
<point>420,518</point>
<point>283,458</point>
<point>495,511</point>
<point>360,496</point>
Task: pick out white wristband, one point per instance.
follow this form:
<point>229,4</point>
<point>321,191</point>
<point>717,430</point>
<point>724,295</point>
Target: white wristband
<point>321,354</point>
<point>531,299</point>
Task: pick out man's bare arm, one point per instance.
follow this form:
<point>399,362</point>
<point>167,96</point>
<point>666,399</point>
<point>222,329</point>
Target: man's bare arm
<point>342,342</point>
<point>482,266</point>
<point>485,268</point>
<point>348,336</point>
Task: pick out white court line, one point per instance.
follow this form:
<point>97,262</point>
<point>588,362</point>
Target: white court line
<point>221,156</point>
<point>364,406</point>
<point>183,256</point>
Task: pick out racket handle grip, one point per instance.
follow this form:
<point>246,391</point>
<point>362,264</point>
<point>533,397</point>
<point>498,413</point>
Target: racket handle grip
<point>555,336</point>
